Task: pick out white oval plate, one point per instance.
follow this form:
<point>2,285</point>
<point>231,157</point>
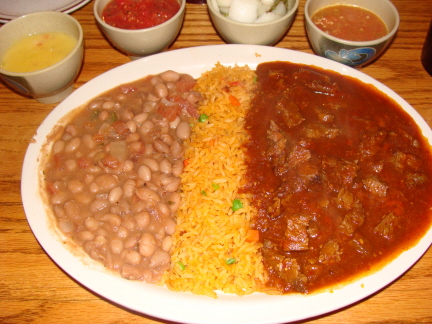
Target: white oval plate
<point>10,9</point>
<point>184,307</point>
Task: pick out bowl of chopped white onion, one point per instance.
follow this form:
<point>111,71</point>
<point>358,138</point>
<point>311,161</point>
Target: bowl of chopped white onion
<point>255,22</point>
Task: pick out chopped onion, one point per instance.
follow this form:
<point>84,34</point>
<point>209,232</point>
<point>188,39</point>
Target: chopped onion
<point>252,11</point>
<point>245,11</point>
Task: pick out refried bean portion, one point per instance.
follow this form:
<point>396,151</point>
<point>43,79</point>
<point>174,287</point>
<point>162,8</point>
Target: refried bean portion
<point>114,173</point>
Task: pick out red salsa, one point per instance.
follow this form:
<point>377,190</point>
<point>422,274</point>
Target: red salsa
<point>350,23</point>
<point>139,14</point>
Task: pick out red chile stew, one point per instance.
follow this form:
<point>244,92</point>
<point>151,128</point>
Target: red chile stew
<point>350,23</point>
<point>113,174</point>
<point>139,14</point>
<point>344,183</point>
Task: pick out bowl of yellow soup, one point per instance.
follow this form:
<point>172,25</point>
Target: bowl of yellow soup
<point>41,55</point>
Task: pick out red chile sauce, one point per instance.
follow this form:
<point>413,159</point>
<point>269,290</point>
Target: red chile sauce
<point>350,23</point>
<point>340,176</point>
<point>139,14</point>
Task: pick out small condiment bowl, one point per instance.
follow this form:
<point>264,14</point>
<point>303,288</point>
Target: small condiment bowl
<point>235,32</point>
<point>54,83</point>
<point>137,43</point>
<point>351,53</point>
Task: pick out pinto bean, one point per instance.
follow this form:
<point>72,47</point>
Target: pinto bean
<point>132,241</point>
<point>167,243</point>
<point>58,147</point>
<point>115,195</point>
<point>87,141</point>
<point>147,244</point>
<point>72,145</point>
<point>147,194</point>
<point>113,219</point>
<point>175,122</point>
<point>173,185</point>
<point>122,232</point>
<point>86,236</point>
<point>173,201</point>
<point>142,219</point>
<point>75,186</point>
<point>160,259</point>
<point>116,245</point>
<point>170,76</point>
<point>144,172</point>
<point>161,90</point>
<point>106,181</point>
<point>129,188</point>
<point>162,209</point>
<point>108,104</point>
<point>176,150</point>
<point>140,118</point>
<point>146,127</point>
<point>91,224</point>
<point>152,164</point>
<point>170,226</point>
<point>161,146</point>
<point>72,129</point>
<point>132,257</point>
<point>183,130</point>
<point>132,126</point>
<point>167,138</point>
<point>177,168</point>
<point>165,166</point>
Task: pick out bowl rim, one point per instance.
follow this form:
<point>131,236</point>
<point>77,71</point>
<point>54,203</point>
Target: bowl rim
<point>377,41</point>
<point>79,45</point>
<point>213,11</point>
<point>102,23</point>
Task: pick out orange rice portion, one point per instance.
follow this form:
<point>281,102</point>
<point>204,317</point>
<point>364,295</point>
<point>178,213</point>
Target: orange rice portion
<point>210,252</point>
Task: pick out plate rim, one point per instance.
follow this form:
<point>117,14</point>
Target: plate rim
<point>271,304</point>
<point>69,8</point>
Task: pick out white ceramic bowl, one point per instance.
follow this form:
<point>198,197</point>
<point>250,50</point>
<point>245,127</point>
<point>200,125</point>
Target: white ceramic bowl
<point>54,83</point>
<point>141,42</point>
<point>235,32</point>
<point>354,54</point>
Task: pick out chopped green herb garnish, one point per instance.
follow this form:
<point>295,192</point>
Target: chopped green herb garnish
<point>95,114</point>
<point>202,118</point>
<point>113,116</point>
<point>203,193</point>
<point>181,265</point>
<point>215,186</point>
<point>236,204</point>
<point>230,261</point>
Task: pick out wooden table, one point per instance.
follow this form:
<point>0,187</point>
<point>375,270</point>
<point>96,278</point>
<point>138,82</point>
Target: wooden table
<point>34,290</point>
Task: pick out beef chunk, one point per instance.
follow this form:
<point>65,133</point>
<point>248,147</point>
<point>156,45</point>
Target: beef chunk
<point>320,131</point>
<point>385,228</point>
<point>414,179</point>
<point>373,185</point>
<point>288,111</point>
<point>296,234</point>
<point>288,269</point>
<point>352,220</point>
<point>330,253</point>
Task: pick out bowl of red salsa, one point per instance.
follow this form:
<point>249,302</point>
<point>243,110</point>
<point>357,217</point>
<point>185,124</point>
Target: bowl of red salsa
<point>140,27</point>
<point>351,32</point>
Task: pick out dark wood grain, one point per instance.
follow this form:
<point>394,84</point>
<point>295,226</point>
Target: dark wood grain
<point>34,290</point>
